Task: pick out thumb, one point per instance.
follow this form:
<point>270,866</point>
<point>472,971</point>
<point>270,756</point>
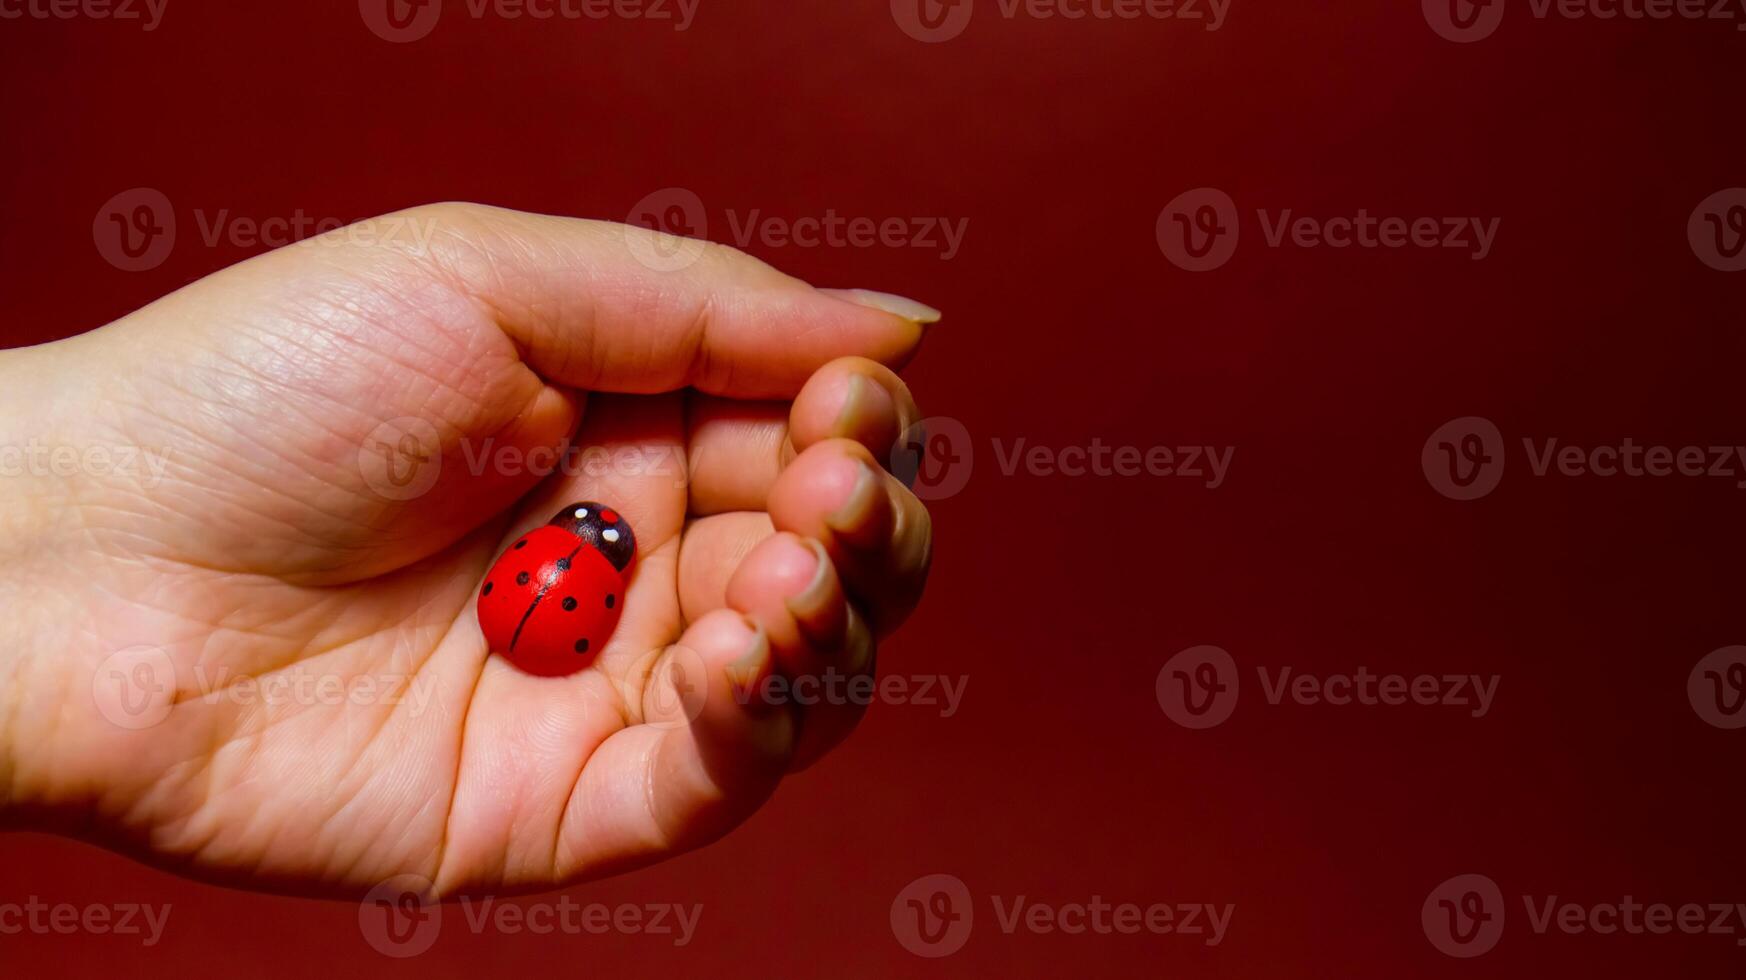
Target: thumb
<point>610,307</point>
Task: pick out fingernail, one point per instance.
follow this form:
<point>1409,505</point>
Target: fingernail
<point>810,602</point>
<point>747,673</point>
<point>859,650</point>
<point>892,303</point>
<point>862,404</point>
<point>858,508</point>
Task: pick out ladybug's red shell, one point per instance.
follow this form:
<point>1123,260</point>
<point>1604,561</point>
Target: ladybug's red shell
<point>553,599</point>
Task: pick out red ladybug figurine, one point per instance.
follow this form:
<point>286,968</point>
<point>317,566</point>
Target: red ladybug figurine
<point>553,599</point>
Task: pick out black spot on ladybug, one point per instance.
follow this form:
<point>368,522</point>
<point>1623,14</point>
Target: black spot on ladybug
<point>563,564</point>
<point>569,604</point>
<point>521,544</point>
<point>487,589</point>
<point>521,579</point>
<point>610,599</point>
<point>581,646</point>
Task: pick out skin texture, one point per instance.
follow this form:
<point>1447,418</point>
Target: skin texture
<point>751,418</point>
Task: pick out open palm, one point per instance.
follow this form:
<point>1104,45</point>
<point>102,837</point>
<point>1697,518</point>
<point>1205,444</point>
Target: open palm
<point>252,653</point>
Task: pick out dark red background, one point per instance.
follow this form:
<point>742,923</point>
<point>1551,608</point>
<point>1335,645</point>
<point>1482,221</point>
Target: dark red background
<point>1060,598</point>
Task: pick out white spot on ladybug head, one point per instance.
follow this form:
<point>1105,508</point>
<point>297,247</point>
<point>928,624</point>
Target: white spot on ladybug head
<point>581,512</point>
<point>611,535</point>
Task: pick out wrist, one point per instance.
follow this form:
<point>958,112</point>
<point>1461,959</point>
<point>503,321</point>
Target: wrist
<point>40,577</point>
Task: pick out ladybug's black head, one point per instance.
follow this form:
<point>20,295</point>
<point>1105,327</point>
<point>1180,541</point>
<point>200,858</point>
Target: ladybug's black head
<point>600,527</point>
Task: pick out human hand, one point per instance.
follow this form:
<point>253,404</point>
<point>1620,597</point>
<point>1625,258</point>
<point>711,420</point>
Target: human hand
<point>176,642</point>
